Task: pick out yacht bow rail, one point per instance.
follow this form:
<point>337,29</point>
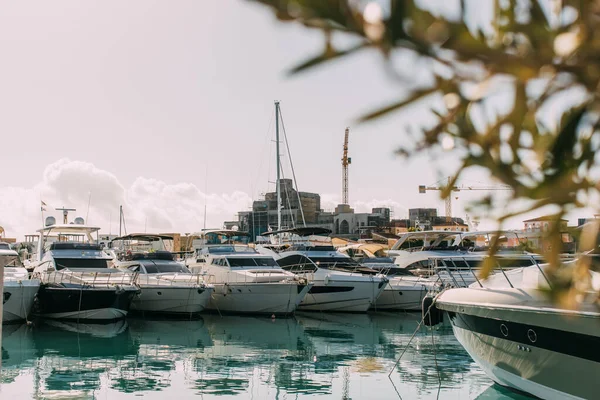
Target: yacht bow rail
<point>171,280</point>
<point>95,278</point>
<point>250,277</point>
<point>457,271</point>
<point>343,266</point>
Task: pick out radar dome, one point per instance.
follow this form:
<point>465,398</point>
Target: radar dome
<point>79,221</point>
<point>50,221</point>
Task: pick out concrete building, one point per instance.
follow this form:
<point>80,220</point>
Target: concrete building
<point>535,230</point>
<point>263,216</point>
<point>343,221</point>
<point>420,216</point>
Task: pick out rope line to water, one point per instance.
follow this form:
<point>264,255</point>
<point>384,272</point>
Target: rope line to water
<point>414,334</point>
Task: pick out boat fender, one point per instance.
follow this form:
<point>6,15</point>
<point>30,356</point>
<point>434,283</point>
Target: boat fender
<point>326,280</point>
<point>431,314</point>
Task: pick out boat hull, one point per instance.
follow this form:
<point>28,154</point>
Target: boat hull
<point>537,350</point>
<point>76,302</point>
<point>337,295</point>
<point>171,300</point>
<point>257,298</point>
<point>400,297</point>
<point>18,299</point>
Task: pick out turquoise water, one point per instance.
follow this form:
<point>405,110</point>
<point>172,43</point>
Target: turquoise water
<point>311,355</point>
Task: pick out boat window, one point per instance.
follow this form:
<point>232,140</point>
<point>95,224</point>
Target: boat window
<point>134,268</point>
<point>409,244</point>
<point>12,261</point>
<point>338,262</point>
<point>393,271</point>
<point>266,262</point>
<point>221,249</point>
<point>343,264</point>
<point>151,269</point>
<point>421,264</point>
<point>71,263</point>
<point>251,261</point>
<point>296,263</point>
<point>174,267</point>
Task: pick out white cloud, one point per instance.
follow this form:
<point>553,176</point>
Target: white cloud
<point>147,203</point>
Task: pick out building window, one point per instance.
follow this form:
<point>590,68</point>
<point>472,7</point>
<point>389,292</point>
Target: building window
<point>344,227</point>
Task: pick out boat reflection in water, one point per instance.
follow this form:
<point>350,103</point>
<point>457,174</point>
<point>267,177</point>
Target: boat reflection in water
<point>313,354</point>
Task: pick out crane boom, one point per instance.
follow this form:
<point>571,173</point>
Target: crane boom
<point>345,162</point>
<point>448,200</point>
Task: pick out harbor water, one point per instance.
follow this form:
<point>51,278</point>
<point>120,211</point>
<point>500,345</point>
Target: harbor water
<point>312,355</point>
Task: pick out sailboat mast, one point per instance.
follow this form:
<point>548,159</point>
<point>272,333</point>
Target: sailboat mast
<point>278,183</point>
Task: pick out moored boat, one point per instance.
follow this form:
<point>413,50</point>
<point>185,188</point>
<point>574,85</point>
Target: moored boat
<point>523,340</point>
<point>19,291</point>
<point>167,287</point>
<point>340,283</point>
<point>245,281</point>
<point>76,281</point>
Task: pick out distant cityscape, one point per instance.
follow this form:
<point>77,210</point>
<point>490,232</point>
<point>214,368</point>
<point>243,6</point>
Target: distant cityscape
<point>304,209</point>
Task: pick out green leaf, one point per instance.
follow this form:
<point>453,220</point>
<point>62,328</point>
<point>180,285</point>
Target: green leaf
<point>326,56</point>
<point>398,105</point>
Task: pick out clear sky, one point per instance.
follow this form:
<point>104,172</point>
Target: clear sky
<point>138,101</point>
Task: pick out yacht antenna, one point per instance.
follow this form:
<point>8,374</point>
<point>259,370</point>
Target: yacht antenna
<point>122,221</point>
<point>205,193</point>
<point>278,167</point>
<point>65,213</point>
<point>87,214</point>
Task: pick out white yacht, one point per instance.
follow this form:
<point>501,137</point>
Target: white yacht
<point>166,285</point>
<point>244,280</point>
<point>77,283</point>
<point>404,291</point>
<point>523,340</point>
<point>340,283</point>
<point>455,258</point>
<point>19,291</point>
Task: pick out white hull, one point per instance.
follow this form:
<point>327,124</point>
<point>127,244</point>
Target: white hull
<point>19,299</point>
<point>522,341</point>
<point>402,298</point>
<point>101,314</point>
<point>257,298</point>
<point>161,299</point>
<point>502,361</point>
<point>361,296</point>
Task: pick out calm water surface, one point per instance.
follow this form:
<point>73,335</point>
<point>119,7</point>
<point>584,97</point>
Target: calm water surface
<point>312,355</point>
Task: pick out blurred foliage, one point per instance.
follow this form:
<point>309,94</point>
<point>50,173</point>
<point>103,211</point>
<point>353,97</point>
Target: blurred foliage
<point>542,59</point>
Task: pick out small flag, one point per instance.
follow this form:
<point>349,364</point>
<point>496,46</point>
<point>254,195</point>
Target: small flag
<point>43,206</point>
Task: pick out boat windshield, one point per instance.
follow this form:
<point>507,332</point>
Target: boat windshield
<point>71,263</point>
<point>165,268</point>
<point>342,263</point>
<point>12,261</point>
<point>252,262</point>
<point>391,271</point>
<point>228,249</point>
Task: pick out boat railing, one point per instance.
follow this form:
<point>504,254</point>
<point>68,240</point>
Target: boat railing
<point>458,271</point>
<point>171,279</point>
<point>92,278</point>
<point>243,277</point>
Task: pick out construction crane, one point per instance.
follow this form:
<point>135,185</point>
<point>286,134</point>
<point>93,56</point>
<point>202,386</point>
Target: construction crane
<point>448,200</point>
<point>345,162</point>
